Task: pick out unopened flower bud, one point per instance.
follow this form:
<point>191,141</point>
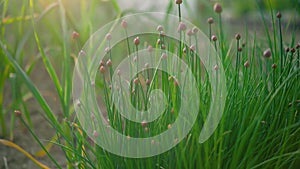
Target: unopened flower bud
<point>195,30</point>
<point>238,36</point>
<point>218,8</point>
<point>214,38</point>
<point>246,64</point>
<point>147,65</point>
<point>144,123</point>
<point>101,63</point>
<point>158,41</point>
<point>190,32</point>
<point>136,41</point>
<point>181,27</point>
<point>287,49</point>
<point>164,56</point>
<point>148,82</point>
<point>95,133</point>
<point>102,69</point>
<point>18,113</point>
<point>216,67</point>
<point>75,35</point>
<point>267,53</point>
<point>160,28</point>
<point>124,24</point>
<point>278,15</point>
<point>119,72</point>
<point>108,63</point>
<point>136,81</point>
<point>240,49</point>
<point>293,50</point>
<point>193,48</point>
<point>150,48</point>
<point>178,2</point>
<point>108,36</point>
<point>210,20</point>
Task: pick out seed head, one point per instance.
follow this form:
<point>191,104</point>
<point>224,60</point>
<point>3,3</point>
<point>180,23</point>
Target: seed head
<point>102,69</point>
<point>274,66</point>
<point>75,35</point>
<point>298,46</point>
<point>160,28</point>
<point>124,24</point>
<point>247,64</point>
<point>278,15</point>
<point>214,38</point>
<point>108,36</point>
<point>184,50</point>
<point>267,53</point>
<point>136,41</point>
<point>218,8</point>
<point>108,63</point>
<point>163,47</point>
<point>210,20</point>
<point>181,27</point>
<point>178,2</point>
<point>169,126</point>
<point>238,36</point>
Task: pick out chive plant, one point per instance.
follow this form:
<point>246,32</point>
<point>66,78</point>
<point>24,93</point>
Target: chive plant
<point>260,125</point>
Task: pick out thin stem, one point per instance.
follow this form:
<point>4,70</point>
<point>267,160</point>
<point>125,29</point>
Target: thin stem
<point>281,45</point>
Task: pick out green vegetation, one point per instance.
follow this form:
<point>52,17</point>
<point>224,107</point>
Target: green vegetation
<point>260,127</point>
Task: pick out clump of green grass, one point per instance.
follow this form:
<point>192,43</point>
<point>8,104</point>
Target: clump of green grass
<point>260,123</point>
